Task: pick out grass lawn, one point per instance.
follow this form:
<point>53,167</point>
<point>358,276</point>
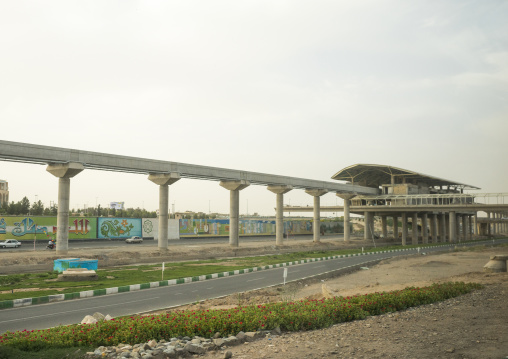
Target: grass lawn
<point>42,284</point>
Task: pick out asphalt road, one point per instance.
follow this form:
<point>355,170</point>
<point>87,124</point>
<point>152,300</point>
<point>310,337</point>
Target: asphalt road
<point>40,246</point>
<point>73,311</point>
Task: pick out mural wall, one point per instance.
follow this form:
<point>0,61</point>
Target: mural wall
<point>151,228</point>
<point>220,227</point>
<point>30,228</point>
<point>119,227</point>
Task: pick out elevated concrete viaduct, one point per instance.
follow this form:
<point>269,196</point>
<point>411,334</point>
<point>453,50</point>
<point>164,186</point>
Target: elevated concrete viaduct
<point>372,190</point>
<point>66,163</point>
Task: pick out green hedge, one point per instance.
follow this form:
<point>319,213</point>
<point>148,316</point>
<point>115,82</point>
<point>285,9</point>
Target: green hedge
<point>289,316</point>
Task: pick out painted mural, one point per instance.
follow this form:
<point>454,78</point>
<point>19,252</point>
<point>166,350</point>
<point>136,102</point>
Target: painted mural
<point>298,227</point>
<point>150,227</point>
<point>119,227</point>
<point>204,227</point>
<point>29,228</point>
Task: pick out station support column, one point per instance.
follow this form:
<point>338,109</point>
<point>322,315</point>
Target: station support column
<point>316,193</point>
<point>425,231</point>
<point>434,227</point>
<point>347,219</point>
<point>368,233</point>
<point>443,227</point>
<point>396,227</point>
<point>164,180</point>
<point>453,227</point>
<point>404,228</point>
<point>489,225</point>
<point>465,227</point>
<point>64,172</point>
<point>414,224</point>
<point>279,211</point>
<point>384,226</point>
<point>234,188</point>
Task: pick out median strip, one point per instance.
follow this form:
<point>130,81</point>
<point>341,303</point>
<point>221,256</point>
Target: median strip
<point>15,303</point>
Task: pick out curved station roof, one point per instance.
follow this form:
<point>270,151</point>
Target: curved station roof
<point>372,175</point>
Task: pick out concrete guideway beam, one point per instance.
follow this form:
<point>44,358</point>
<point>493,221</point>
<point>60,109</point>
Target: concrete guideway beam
<point>38,154</point>
<point>279,211</point>
<point>64,172</point>
<point>347,218</point>
<point>164,180</point>
<point>234,188</point>
<point>316,226</point>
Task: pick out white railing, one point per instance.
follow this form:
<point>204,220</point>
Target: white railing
<point>436,199</point>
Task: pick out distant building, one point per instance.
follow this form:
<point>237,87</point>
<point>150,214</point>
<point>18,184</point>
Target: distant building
<point>4,192</point>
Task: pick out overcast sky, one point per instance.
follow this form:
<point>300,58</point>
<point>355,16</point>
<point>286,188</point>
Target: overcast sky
<point>296,88</point>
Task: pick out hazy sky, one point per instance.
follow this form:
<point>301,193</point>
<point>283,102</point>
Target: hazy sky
<point>297,88</point>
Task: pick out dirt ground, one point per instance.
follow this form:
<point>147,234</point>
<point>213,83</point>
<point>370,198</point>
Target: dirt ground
<point>471,326</point>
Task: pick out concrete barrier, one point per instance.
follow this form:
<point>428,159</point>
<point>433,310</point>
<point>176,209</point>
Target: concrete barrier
<point>496,264</point>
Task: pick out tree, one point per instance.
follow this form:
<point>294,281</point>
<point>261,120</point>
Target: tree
<point>37,208</point>
<point>24,206</point>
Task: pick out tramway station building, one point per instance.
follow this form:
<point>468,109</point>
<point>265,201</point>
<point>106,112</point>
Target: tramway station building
<point>436,209</point>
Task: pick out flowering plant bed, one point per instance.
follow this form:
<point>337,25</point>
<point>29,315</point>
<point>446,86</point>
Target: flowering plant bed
<point>288,316</point>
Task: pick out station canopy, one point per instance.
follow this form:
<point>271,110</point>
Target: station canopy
<point>371,175</point>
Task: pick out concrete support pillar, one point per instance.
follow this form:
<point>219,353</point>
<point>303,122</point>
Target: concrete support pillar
<point>439,228</point>
<point>434,228</point>
<point>425,231</point>
<point>64,172</point>
<point>234,188</point>
<point>468,228</point>
<point>368,233</point>
<point>458,235</point>
<point>489,225</point>
<point>404,228</point>
<point>347,220</point>
<point>448,227</point>
<point>414,237</point>
<point>316,193</point>
<point>396,227</point>
<point>279,214</point>
<point>453,227</point>
<point>475,227</point>
<point>164,180</point>
<point>443,227</point>
<point>384,227</point>
<point>464,227</point>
